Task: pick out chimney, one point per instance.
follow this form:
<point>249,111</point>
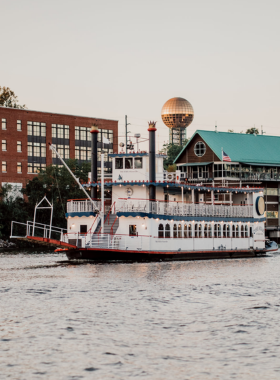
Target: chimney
<point>94,134</point>
<point>152,159</point>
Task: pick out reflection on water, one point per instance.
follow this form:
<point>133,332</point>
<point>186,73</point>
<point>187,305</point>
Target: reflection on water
<point>172,320</point>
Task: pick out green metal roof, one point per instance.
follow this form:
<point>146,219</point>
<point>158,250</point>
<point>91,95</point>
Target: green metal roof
<point>240,147</point>
<point>196,164</point>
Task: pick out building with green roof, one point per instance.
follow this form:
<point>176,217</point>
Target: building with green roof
<point>248,160</point>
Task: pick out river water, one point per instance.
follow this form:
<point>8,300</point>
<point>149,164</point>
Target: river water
<point>217,319</point>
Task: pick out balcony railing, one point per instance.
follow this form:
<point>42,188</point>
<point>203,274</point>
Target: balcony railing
<point>184,209</point>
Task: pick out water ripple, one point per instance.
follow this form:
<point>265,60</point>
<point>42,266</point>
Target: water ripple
<point>184,320</point>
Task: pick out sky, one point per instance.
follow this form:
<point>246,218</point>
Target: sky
<point>113,58</point>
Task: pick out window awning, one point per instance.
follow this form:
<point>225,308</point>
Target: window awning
<point>260,164</point>
<point>196,164</point>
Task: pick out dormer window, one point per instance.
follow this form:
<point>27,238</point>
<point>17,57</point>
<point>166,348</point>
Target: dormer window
<point>199,149</point>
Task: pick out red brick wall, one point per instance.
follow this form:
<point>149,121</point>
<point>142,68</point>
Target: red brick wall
<point>12,136</point>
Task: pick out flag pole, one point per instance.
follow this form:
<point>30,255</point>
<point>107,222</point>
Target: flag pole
<point>222,167</point>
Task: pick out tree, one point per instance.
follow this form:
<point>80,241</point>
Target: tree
<point>252,131</point>
<point>58,186</point>
<point>11,208</point>
<point>9,99</point>
<point>172,151</point>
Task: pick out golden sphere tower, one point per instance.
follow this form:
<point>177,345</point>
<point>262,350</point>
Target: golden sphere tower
<point>177,114</point>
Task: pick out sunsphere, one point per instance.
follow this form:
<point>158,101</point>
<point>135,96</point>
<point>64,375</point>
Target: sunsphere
<point>177,113</point>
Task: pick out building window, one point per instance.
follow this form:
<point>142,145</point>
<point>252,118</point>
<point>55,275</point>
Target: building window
<point>34,168</point>
<point>4,166</point>
<point>199,149</point>
<point>19,125</point>
<point>19,146</point>
<point>138,163</point>
<point>4,124</point>
<point>4,145</point>
<point>36,149</point>
<point>82,133</point>
<point>82,153</point>
<point>63,150</point>
<point>119,163</point>
<point>60,131</point>
<point>35,128</point>
<point>19,167</point>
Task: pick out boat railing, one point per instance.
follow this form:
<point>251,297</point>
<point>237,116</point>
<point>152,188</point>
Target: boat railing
<point>82,205</point>
<point>23,230</point>
<point>183,209</point>
<point>107,241</point>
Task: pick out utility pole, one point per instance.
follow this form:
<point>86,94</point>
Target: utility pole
<point>126,124</point>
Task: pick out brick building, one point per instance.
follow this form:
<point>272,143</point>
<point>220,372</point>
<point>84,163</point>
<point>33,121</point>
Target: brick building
<point>253,160</point>
<point>25,134</point>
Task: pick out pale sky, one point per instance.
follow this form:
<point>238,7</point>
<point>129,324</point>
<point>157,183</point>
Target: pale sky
<point>111,58</point>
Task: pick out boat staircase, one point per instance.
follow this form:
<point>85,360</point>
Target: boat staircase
<point>101,237</point>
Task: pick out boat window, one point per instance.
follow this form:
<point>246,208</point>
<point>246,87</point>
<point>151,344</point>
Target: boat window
<point>160,231</point>
<point>196,230</point>
<point>132,230</point>
<point>138,163</point>
<point>119,163</point>
<point>175,231</point>
<point>242,231</point>
<point>190,230</point>
<point>209,230</point>
<point>185,231</point>
<point>200,230</point>
<point>167,231</point>
<point>233,231</point>
<point>205,230</point>
<point>224,230</point>
<point>237,231</point>
<point>246,231</point>
<point>216,230</point>
<point>179,230</point>
<point>83,228</point>
<point>129,163</point>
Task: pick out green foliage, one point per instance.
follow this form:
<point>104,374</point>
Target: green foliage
<point>58,185</point>
<point>172,151</point>
<point>171,168</point>
<point>252,131</point>
<point>11,208</point>
<point>9,99</point>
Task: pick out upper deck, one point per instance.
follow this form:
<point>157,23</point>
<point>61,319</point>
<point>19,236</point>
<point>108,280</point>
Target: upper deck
<point>178,200</point>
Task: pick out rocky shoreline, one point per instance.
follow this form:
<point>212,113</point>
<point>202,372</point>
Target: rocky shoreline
<point>7,244</point>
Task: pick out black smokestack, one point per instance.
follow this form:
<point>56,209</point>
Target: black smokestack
<point>94,134</point>
<point>152,159</point>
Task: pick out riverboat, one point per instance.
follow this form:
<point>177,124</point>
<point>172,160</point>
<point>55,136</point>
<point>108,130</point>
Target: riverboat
<point>154,215</point>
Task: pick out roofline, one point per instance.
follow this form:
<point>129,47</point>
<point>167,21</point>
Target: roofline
<point>55,113</point>
<point>174,161</point>
<point>217,154</point>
